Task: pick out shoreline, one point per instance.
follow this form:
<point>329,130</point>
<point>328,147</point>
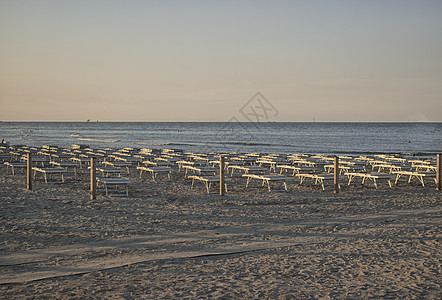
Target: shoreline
<point>172,147</point>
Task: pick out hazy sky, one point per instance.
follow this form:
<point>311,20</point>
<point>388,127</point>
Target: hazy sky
<point>376,60</point>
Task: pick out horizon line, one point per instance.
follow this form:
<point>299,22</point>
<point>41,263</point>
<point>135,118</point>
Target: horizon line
<point>126,121</point>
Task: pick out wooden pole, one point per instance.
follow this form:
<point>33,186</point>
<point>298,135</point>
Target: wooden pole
<point>221,176</point>
<point>336,173</point>
<point>438,169</point>
<point>29,171</point>
<point>93,179</point>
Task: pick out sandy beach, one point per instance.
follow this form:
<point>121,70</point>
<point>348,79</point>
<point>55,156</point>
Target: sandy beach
<point>169,241</point>
<point>221,150</point>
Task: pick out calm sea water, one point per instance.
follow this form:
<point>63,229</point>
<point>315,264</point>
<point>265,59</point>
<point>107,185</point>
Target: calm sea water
<point>271,137</point>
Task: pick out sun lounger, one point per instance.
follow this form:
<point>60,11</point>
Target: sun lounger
<point>155,171</point>
<point>419,162</point>
<point>14,165</point>
<point>425,168</point>
<point>182,163</point>
<point>199,170</point>
<point>158,163</point>
<point>215,163</point>
<point>344,168</point>
<point>39,161</point>
<point>295,169</point>
<point>106,171</point>
<point>307,163</point>
<point>51,172</point>
<point>131,160</point>
<point>269,164</point>
<point>65,165</point>
<point>118,164</point>
<point>247,169</point>
<point>246,160</point>
<point>420,176</point>
<point>374,177</point>
<point>82,161</point>
<point>112,184</point>
<point>354,162</point>
<point>389,167</point>
<point>266,179</point>
<point>398,160</point>
<point>317,178</point>
<point>207,180</point>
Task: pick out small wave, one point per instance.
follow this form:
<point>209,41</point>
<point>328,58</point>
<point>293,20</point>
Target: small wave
<point>153,144</point>
<point>169,144</point>
<point>98,140</point>
<point>251,144</point>
<point>184,144</point>
<point>75,134</point>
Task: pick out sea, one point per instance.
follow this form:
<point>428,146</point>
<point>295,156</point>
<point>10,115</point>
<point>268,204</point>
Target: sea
<point>347,138</point>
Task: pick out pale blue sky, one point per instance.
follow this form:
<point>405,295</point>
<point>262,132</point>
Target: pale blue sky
<point>377,60</point>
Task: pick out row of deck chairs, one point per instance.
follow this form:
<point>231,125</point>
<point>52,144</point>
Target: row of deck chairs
<point>267,170</point>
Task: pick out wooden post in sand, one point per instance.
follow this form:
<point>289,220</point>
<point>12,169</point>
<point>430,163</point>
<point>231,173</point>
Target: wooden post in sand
<point>438,169</point>
<point>336,173</point>
<point>29,171</point>
<point>93,179</point>
<point>221,175</point>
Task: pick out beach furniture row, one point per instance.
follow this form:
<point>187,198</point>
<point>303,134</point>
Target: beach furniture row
<point>269,170</point>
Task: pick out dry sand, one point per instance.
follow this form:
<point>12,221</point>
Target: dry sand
<point>167,241</point>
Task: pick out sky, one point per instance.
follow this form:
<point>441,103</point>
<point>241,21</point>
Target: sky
<point>330,60</point>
